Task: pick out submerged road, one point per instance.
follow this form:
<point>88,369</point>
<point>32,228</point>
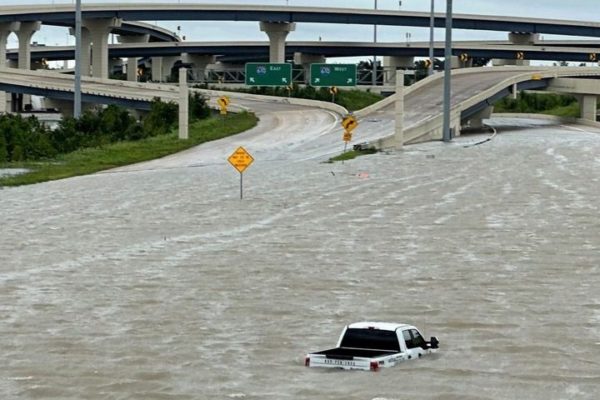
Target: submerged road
<point>162,284</point>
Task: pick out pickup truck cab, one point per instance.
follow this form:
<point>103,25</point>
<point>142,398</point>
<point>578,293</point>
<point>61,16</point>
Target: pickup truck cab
<point>373,345</point>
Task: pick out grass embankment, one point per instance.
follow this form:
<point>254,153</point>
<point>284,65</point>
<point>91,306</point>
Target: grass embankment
<point>540,103</point>
<point>90,160</point>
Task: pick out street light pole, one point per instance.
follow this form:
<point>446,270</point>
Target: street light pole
<point>447,72</point>
<point>431,37</point>
<point>374,70</point>
<point>77,89</point>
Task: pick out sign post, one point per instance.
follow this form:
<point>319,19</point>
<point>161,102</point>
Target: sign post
<point>268,74</point>
<point>332,75</point>
<point>223,102</point>
<point>349,123</point>
<point>240,160</point>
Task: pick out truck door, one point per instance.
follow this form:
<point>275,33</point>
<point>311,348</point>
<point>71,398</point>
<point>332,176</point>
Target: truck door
<point>415,344</point>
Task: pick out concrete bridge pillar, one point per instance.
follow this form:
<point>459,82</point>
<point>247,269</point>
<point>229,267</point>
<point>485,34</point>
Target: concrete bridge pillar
<point>399,111</point>
<point>183,104</point>
<point>132,62</point>
<point>6,28</point>
<point>476,120</point>
<point>588,106</point>
<point>86,43</point>
<point>305,60</point>
<point>162,66</point>
<point>199,63</point>
<point>392,64</point>
<point>277,32</point>
<point>99,29</point>
<point>25,33</point>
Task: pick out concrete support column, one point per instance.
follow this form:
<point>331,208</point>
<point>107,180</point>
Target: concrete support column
<point>277,32</point>
<point>86,51</point>
<point>392,64</point>
<point>99,29</point>
<point>476,121</point>
<point>399,111</point>
<point>305,60</point>
<point>199,62</point>
<point>132,62</point>
<point>6,28</point>
<point>25,33</point>
<point>183,104</point>
<point>162,66</point>
<point>588,106</point>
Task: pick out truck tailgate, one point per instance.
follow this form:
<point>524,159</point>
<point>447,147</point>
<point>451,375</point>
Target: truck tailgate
<point>322,361</point>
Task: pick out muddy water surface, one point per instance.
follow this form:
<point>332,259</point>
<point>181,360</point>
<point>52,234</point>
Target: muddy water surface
<point>161,284</point>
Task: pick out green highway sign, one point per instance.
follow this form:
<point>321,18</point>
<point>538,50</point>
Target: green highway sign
<point>333,74</point>
<point>268,74</point>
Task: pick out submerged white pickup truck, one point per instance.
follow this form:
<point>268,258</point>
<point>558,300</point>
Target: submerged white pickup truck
<point>373,345</point>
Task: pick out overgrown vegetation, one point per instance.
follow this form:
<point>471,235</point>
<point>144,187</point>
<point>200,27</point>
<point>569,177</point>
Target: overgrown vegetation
<point>350,99</point>
<point>544,103</point>
<point>26,139</point>
<point>349,155</point>
<point>93,159</point>
<point>106,138</point>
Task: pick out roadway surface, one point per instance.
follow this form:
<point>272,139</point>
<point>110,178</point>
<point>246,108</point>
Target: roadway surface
<point>162,284</point>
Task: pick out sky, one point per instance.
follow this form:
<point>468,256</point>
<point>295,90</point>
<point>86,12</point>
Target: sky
<point>585,10</point>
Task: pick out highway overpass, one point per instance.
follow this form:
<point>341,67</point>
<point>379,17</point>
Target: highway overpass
<point>474,91</point>
<point>244,51</point>
<point>64,15</point>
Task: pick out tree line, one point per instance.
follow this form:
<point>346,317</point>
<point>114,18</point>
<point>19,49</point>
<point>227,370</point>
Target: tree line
<point>27,139</point>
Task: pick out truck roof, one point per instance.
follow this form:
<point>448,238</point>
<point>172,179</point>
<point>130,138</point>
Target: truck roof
<point>384,326</point>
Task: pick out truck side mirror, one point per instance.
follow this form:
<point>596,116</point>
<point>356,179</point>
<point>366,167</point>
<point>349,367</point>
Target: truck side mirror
<point>434,343</point>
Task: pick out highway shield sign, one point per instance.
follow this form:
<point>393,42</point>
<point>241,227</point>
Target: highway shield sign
<point>268,74</point>
<point>240,159</point>
<point>333,75</point>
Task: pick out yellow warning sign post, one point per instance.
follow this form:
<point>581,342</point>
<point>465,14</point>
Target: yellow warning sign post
<point>240,160</point>
<point>349,123</point>
<point>223,102</point>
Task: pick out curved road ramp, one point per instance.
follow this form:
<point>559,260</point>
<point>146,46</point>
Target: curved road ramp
<point>474,91</point>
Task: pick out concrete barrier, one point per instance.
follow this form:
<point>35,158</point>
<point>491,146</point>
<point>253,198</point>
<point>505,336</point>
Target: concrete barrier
<point>214,94</point>
<point>552,118</point>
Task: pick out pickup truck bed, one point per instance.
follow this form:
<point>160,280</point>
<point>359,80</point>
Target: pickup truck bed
<point>346,353</point>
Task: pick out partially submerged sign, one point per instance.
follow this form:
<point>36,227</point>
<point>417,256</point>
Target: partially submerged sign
<point>240,159</point>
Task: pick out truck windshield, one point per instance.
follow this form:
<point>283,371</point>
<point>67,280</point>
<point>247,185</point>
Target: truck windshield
<point>371,339</point>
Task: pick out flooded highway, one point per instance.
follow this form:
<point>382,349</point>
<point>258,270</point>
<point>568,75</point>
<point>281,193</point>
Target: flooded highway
<point>159,283</point>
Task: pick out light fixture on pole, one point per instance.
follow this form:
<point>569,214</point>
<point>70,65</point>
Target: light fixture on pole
<point>431,37</point>
<point>447,72</point>
<point>77,89</point>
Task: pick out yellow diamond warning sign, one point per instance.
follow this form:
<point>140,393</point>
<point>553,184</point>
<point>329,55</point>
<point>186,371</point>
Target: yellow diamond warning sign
<point>240,159</point>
